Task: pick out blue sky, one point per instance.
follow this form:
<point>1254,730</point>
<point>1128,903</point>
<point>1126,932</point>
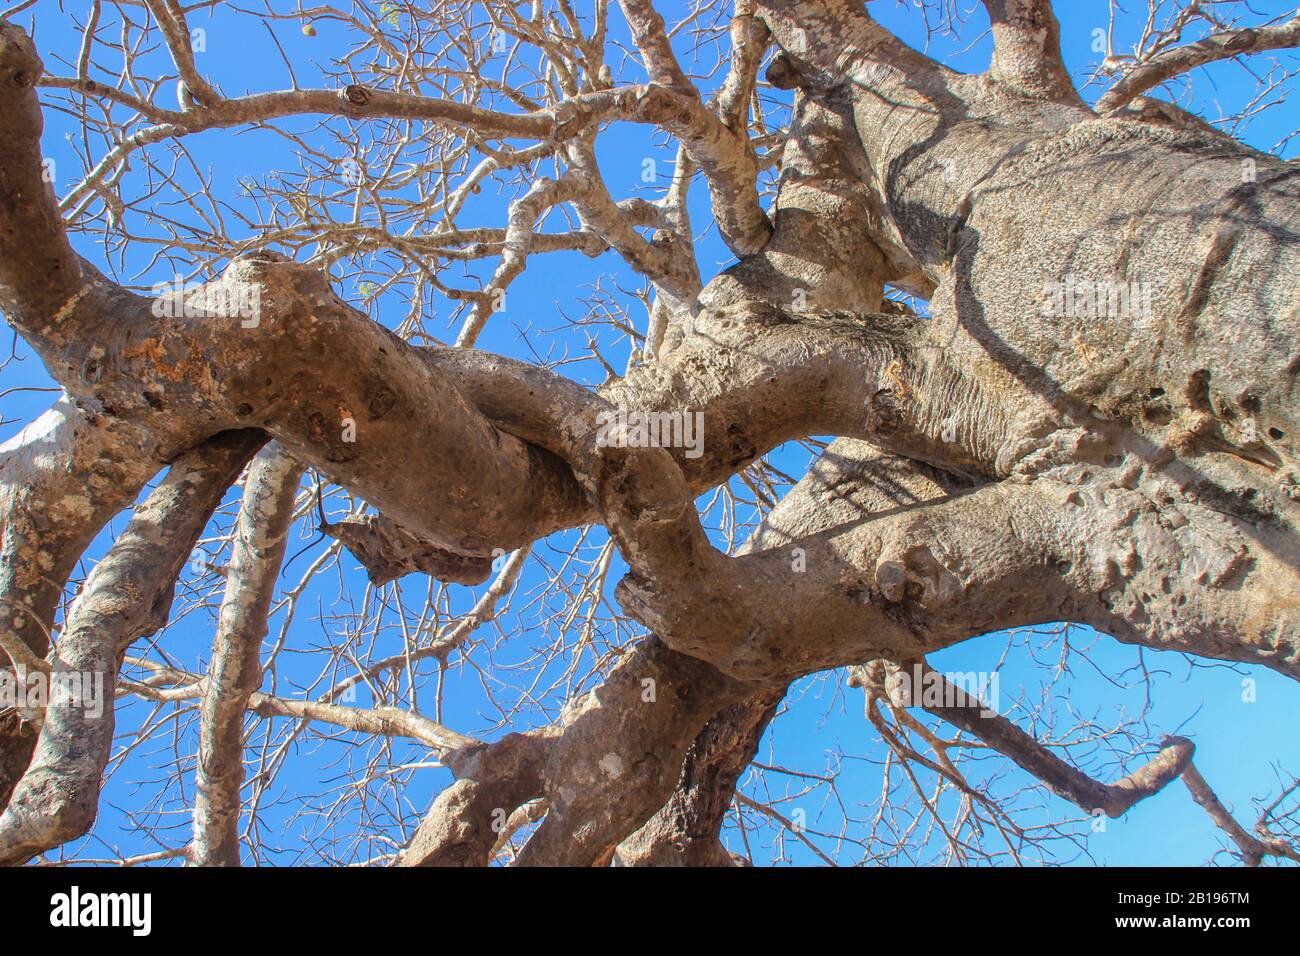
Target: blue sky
<point>1242,737</point>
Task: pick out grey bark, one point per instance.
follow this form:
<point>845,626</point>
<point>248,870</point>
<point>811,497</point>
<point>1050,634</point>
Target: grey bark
<point>235,672</point>
<point>127,596</point>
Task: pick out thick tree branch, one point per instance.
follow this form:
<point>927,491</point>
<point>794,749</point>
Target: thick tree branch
<point>235,672</point>
<point>41,279</point>
<point>126,596</point>
<point>465,821</point>
<point>1027,49</point>
<point>651,37</point>
<point>852,479</point>
<point>1169,573</point>
<point>61,480</point>
<point>749,38</point>
<point>685,830</point>
<point>620,753</point>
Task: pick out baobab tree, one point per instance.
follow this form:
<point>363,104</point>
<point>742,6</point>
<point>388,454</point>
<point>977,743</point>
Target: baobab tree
<point>1049,321</point>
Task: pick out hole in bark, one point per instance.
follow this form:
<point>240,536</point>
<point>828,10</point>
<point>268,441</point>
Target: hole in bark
<point>382,402</point>
<point>1156,392</point>
<point>1276,433</point>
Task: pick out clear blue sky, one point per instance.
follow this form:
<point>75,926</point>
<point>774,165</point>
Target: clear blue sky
<point>1240,743</point>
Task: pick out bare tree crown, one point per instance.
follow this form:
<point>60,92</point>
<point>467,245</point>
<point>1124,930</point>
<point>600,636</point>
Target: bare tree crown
<point>1034,332</point>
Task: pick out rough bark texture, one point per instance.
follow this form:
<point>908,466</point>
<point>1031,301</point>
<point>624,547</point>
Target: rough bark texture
<point>684,831</point>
